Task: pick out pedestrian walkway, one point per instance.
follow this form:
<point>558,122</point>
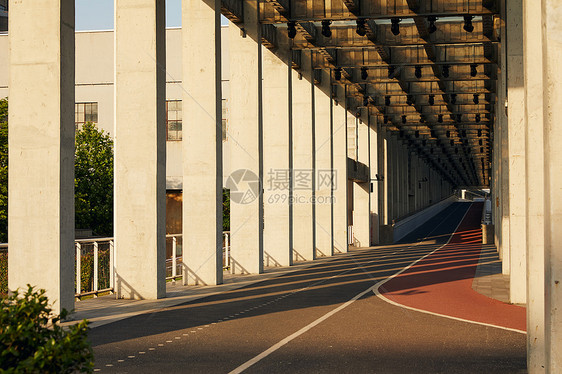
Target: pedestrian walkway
<point>327,318</point>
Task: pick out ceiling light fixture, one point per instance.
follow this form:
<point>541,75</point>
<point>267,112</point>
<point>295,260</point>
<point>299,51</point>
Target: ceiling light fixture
<point>473,70</point>
<point>361,29</point>
<point>468,26</point>
<point>395,27</point>
<point>364,73</point>
<point>418,72</point>
<point>291,29</point>
<point>432,28</point>
<point>337,74</point>
<point>326,28</point>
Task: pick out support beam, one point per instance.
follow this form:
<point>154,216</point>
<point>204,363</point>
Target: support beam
<point>374,183</point>
<point>543,52</point>
<point>324,175</point>
<point>202,144</point>
<point>41,149</point>
<point>516,123</point>
<point>303,161</point>
<point>361,190</point>
<point>534,18</point>
<point>246,133</point>
<point>140,149</point>
<point>339,153</point>
<point>276,158</point>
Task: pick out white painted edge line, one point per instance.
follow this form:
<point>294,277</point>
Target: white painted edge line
<point>381,283</point>
<point>281,343</point>
<point>275,347</point>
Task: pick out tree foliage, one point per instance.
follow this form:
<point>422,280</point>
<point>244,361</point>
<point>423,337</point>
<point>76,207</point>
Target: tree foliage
<point>93,175</point>
<point>225,209</point>
<point>32,340</point>
<point>3,170</point>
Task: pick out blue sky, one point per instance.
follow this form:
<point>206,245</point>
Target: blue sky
<point>98,14</point>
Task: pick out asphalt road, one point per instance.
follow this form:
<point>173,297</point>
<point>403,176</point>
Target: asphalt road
<point>324,319</point>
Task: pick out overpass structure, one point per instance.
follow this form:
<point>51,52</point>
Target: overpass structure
<point>344,113</point>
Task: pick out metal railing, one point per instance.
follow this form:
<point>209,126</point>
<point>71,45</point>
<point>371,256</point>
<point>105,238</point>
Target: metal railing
<point>95,263</point>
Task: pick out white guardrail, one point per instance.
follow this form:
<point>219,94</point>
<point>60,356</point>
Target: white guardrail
<point>96,256</point>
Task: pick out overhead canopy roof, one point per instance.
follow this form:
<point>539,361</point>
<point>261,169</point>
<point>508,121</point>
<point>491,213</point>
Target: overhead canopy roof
<point>432,79</point>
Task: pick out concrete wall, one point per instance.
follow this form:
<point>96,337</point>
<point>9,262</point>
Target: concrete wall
<point>409,224</point>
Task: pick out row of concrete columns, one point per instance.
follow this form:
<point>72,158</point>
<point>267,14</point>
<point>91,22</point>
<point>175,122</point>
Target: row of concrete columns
<point>526,172</point>
<point>282,124</point>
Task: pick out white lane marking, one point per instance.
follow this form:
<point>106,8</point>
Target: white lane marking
<point>283,342</point>
<point>275,347</point>
<point>382,297</point>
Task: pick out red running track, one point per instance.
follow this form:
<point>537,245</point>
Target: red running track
<point>442,282</point>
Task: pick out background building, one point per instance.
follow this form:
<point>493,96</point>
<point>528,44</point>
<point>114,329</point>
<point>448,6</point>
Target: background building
<point>95,98</point>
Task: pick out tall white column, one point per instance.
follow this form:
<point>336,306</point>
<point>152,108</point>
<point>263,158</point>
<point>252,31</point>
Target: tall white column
<point>553,179</point>
<point>374,184</point>
<point>505,137</point>
<point>533,48</point>
<point>202,142</point>
<point>41,149</point>
<point>246,132</point>
<point>303,161</point>
<point>277,174</point>
<point>323,152</point>
<point>385,159</point>
<point>516,122</point>
<point>339,134</point>
<point>140,149</point>
<point>361,191</point>
<point>543,53</point>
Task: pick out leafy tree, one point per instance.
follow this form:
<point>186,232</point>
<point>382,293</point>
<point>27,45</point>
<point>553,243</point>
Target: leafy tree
<point>225,209</point>
<point>3,170</point>
<point>93,175</point>
<point>32,340</point>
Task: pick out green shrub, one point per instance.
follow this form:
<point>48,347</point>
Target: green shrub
<point>3,273</point>
<point>87,271</point>
<point>32,341</point>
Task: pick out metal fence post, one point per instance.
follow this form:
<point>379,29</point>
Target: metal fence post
<point>111,266</point>
<point>96,267</point>
<point>78,268</point>
<point>174,259</point>
<point>227,246</point>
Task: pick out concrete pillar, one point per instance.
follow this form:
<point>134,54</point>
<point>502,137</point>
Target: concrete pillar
<point>505,148</point>
<point>375,183</point>
<point>385,159</point>
<point>553,156</point>
<point>303,161</point>
<point>392,177</point>
<point>361,191</point>
<point>339,151</point>
<point>533,44</point>
<point>246,132</point>
<point>404,184</point>
<point>543,53</point>
<point>517,189</point>
<point>140,149</point>
<point>202,142</point>
<point>276,128</point>
<point>41,151</point>
<point>324,175</point>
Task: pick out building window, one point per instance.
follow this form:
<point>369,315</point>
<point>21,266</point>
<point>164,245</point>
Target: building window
<point>173,120</point>
<point>84,113</point>
<point>224,119</point>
